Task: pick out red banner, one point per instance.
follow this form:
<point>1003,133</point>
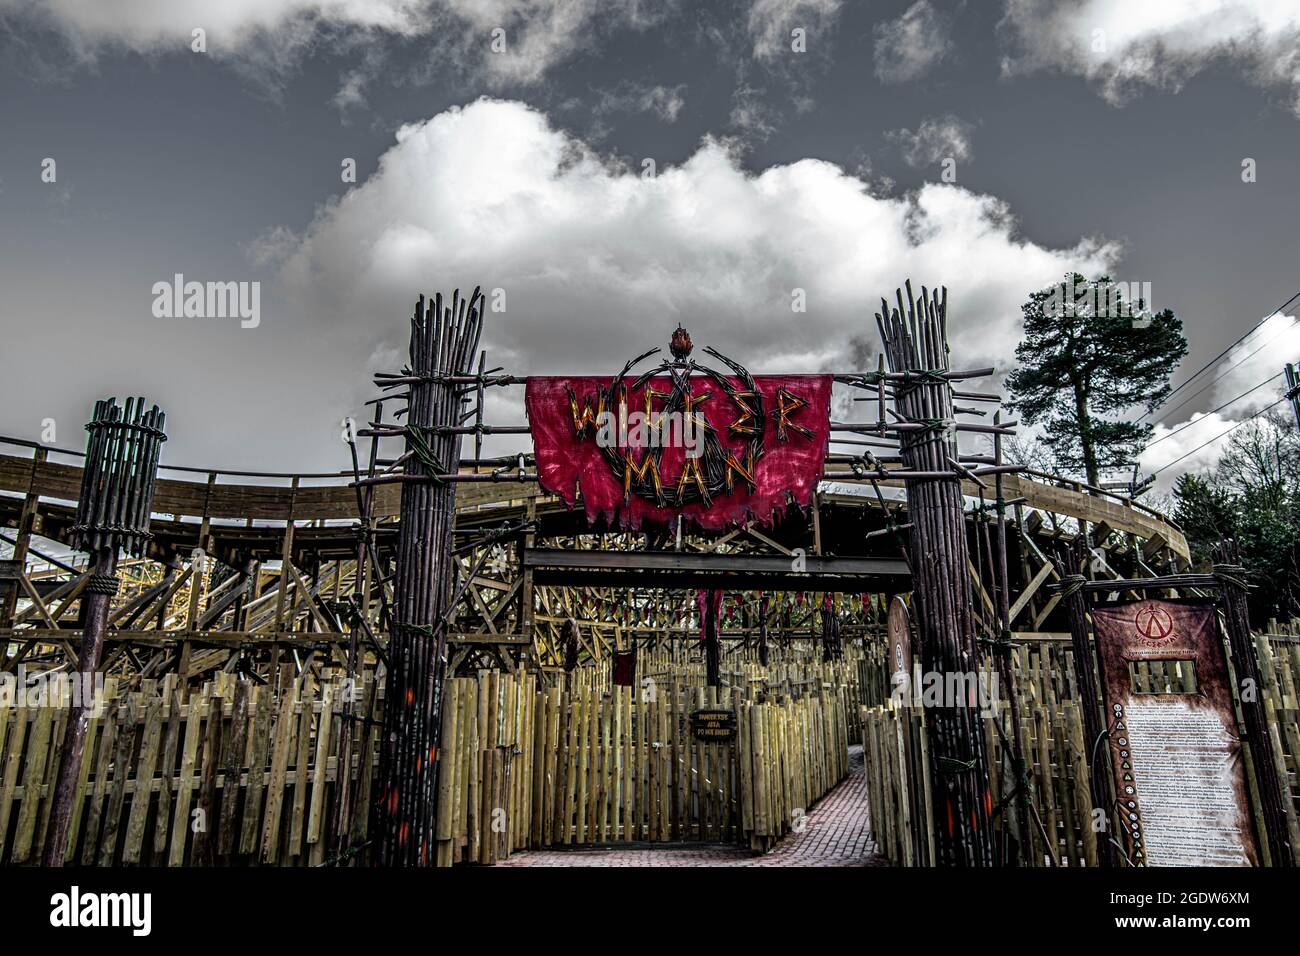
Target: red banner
<point>716,449</point>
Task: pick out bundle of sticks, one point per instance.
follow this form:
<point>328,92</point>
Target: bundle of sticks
<point>444,339</point>
<point>914,333</point>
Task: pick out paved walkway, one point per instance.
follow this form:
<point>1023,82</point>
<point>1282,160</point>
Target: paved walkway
<point>835,835</point>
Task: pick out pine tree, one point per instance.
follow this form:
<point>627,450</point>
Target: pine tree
<point>1252,496</point>
<point>1088,355</point>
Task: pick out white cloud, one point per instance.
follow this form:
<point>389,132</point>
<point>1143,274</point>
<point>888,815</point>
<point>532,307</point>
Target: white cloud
<point>152,25</point>
<point>598,262</point>
<point>1124,45</point>
<point>272,33</point>
<point>542,33</point>
<point>771,22</point>
<point>1171,442</point>
<point>1257,359</point>
<point>907,48</point>
<point>934,140</point>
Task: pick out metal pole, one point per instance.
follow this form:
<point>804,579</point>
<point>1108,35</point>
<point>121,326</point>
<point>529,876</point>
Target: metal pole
<point>1293,389</point>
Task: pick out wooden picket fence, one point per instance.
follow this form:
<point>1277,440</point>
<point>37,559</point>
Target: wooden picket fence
<point>231,776</point>
<point>1052,739</point>
<point>240,775</point>
<point>529,766</point>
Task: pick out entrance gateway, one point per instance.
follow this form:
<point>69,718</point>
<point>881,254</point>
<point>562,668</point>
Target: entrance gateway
<point>761,446</point>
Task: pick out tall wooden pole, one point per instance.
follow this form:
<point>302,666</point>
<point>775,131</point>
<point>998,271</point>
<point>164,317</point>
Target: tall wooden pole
<point>709,603</point>
<point>1006,672</point>
<point>1232,584</point>
<point>915,339</point>
<point>117,485</point>
<point>1085,676</point>
<point>444,339</point>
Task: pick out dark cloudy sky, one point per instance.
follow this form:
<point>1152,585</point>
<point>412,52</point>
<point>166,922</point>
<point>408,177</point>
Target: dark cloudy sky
<point>1091,135</point>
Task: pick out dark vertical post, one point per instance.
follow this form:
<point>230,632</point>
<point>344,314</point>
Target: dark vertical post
<point>762,628</point>
<point>21,544</point>
<point>117,485</point>
<point>709,602</point>
<point>1085,674</point>
<point>443,343</point>
<point>831,648</point>
<point>1232,584</point>
<point>1293,389</point>
<point>360,608</point>
<point>915,341</point>
<point>1002,654</point>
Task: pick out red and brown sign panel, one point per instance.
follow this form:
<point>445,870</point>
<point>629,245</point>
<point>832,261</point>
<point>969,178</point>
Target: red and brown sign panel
<point>900,638</point>
<point>1176,757</point>
<point>728,448</point>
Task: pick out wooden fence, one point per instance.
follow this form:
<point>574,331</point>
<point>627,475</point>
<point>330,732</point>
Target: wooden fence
<point>231,776</point>
<point>1052,740</point>
<point>530,767</point>
<point>240,775</point>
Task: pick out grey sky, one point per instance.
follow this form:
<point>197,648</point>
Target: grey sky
<point>172,161</point>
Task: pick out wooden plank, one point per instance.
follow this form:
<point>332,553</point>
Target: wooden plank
<point>232,762</point>
<point>37,750</point>
<point>181,821</point>
<point>262,703</point>
<point>284,726</point>
<point>204,816</point>
<point>302,779</point>
<point>12,751</point>
<point>121,771</point>
<point>142,797</point>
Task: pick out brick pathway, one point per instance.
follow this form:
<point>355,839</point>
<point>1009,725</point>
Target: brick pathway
<point>835,835</point>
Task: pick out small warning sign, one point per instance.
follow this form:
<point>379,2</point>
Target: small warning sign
<point>713,726</point>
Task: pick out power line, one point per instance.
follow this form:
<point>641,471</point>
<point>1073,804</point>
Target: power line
<point>1221,375</point>
<point>1213,411</point>
<point>1216,438</point>
<point>1238,341</point>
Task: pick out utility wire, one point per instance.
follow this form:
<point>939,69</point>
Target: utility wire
<point>1216,438</point>
<point>1221,375</point>
<point>1238,341</point>
<point>1212,411</point>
